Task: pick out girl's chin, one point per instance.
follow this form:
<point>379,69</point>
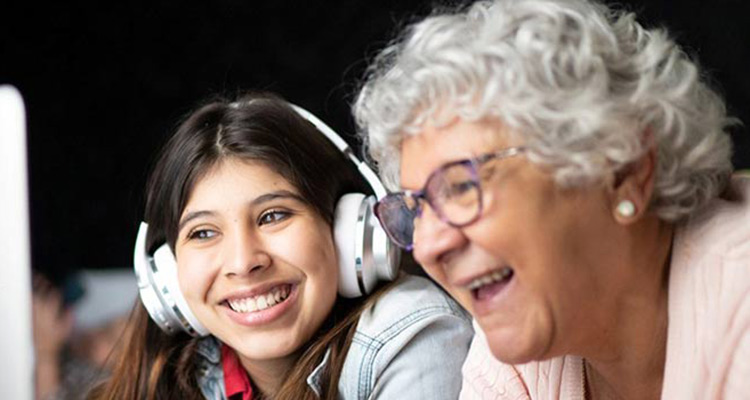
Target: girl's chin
<point>262,353</point>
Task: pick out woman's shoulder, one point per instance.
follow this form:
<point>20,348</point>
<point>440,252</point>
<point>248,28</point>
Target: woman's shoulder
<point>711,253</point>
<point>709,297</point>
<point>711,250</point>
<point>723,227</point>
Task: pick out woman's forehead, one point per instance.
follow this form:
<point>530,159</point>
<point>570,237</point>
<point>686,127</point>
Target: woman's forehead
<point>433,146</point>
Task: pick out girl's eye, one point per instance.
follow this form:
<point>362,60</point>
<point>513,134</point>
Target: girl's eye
<point>272,216</point>
<point>201,234</point>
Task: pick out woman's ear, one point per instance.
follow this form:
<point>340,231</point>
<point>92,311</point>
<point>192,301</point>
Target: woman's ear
<point>632,188</point>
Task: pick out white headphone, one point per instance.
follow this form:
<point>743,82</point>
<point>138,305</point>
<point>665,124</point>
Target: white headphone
<point>365,254</point>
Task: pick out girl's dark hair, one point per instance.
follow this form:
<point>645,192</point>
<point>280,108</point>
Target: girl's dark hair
<point>258,127</point>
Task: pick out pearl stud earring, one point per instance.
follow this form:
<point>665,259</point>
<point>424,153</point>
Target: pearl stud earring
<point>626,208</point>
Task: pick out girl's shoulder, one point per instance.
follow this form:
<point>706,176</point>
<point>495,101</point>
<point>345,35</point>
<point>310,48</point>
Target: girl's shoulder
<point>412,303</point>
<point>410,343</point>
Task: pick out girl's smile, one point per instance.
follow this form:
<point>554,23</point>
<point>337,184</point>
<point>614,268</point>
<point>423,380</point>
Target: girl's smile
<point>263,308</point>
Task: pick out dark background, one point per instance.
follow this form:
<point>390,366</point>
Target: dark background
<point>105,84</point>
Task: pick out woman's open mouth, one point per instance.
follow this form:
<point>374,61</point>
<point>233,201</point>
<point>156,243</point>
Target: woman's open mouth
<point>487,286</point>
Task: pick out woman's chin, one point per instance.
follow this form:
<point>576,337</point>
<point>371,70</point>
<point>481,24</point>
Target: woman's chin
<point>511,346</point>
<point>509,355</point>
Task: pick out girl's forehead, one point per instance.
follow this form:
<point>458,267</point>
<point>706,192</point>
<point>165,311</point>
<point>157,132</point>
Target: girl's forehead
<point>249,170</point>
<point>235,179</point>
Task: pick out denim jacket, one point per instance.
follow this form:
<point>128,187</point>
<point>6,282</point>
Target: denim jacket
<point>409,345</point>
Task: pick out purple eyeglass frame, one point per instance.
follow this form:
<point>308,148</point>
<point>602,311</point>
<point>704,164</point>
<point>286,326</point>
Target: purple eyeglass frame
<point>474,164</point>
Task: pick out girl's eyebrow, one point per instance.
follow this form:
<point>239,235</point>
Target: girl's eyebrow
<point>279,194</point>
<point>191,216</point>
<point>284,194</point>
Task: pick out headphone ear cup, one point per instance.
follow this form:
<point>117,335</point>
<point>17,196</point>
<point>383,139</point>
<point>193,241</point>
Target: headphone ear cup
<point>364,251</point>
<point>386,255</point>
<point>159,289</point>
<point>345,237</point>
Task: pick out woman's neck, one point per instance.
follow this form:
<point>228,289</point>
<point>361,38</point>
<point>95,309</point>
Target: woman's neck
<point>628,360</point>
<point>635,373</point>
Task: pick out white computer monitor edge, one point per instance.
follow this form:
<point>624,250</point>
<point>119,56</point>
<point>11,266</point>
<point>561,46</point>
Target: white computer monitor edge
<point>16,340</point>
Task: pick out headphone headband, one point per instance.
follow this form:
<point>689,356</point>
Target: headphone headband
<point>341,144</point>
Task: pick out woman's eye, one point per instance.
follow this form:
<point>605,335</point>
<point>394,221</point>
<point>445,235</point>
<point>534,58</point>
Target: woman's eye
<point>272,216</point>
<point>201,234</point>
<point>486,173</point>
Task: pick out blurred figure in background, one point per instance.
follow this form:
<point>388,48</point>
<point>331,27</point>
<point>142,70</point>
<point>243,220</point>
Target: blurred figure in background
<point>77,326</point>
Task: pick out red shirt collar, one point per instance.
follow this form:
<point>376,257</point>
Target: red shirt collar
<point>236,381</point>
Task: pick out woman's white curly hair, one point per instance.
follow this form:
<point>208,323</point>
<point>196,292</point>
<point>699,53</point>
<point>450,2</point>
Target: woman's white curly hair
<point>586,88</point>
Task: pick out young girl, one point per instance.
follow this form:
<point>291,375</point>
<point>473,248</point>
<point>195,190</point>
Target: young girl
<point>244,195</point>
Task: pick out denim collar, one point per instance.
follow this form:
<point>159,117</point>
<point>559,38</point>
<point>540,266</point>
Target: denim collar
<point>209,351</point>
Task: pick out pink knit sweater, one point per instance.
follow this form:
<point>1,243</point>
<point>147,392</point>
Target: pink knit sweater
<point>708,339</point>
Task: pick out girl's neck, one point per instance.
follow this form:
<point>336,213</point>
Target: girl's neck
<point>267,376</point>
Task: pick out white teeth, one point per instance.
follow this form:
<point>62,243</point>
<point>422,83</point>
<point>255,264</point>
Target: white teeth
<point>494,276</point>
<point>244,304</point>
<point>260,302</point>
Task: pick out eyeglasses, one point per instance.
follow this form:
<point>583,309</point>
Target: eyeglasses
<point>453,191</point>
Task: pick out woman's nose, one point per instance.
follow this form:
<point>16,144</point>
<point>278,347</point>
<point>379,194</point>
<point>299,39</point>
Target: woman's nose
<point>434,238</point>
<point>244,253</point>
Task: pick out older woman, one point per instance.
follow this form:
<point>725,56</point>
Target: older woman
<point>565,174</point>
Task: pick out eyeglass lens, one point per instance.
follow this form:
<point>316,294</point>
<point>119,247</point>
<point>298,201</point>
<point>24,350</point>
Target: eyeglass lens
<point>452,192</point>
